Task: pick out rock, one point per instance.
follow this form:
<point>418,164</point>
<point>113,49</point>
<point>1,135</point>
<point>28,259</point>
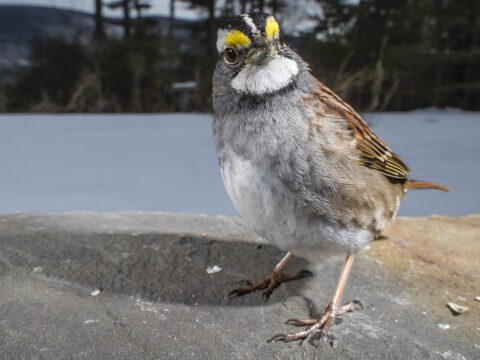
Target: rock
<point>457,309</point>
<point>154,297</point>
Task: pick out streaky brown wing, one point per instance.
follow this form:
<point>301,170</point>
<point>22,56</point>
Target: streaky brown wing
<point>375,154</point>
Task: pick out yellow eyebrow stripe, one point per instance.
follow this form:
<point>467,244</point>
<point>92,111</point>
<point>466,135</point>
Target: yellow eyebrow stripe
<point>272,29</point>
<point>237,38</point>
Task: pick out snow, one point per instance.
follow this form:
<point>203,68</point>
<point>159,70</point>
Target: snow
<point>437,146</point>
<point>54,163</point>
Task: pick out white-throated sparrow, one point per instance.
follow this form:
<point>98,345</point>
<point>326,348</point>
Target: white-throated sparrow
<point>300,165</point>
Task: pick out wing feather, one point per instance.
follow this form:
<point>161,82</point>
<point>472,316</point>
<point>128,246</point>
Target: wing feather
<point>375,154</point>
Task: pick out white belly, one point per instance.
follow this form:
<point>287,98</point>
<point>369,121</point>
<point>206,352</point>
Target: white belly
<point>250,189</point>
<point>278,215</point>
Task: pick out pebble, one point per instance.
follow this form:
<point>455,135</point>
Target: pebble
<point>213,269</point>
<point>457,309</point>
<point>95,292</point>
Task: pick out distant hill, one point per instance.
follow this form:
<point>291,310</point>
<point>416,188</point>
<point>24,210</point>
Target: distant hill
<point>19,25</point>
<point>22,23</point>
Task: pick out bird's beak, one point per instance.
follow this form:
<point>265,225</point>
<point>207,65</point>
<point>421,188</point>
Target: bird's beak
<point>258,56</point>
<point>260,52</point>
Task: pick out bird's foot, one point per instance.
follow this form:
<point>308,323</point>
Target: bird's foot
<point>319,326</point>
<point>269,283</point>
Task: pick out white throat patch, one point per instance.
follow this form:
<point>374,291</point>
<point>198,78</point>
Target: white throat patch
<point>267,78</point>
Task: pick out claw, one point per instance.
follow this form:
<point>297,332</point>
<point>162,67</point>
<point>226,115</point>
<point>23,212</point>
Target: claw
<point>304,274</point>
<point>238,292</point>
<point>233,294</point>
<point>302,335</point>
<point>321,325</point>
<point>354,305</point>
<point>277,337</point>
<point>296,275</point>
<point>358,303</point>
<point>318,327</point>
<point>266,295</point>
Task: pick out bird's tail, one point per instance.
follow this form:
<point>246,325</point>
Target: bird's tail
<point>414,184</point>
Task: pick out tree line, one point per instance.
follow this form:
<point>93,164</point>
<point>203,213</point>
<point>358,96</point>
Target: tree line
<point>378,54</point>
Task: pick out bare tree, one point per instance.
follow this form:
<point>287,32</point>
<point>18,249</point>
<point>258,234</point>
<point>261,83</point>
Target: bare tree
<point>171,21</point>
<point>125,6</point>
<point>259,5</point>
<point>126,17</point>
<point>208,5</point>
<point>276,6</point>
<point>99,32</point>
<point>3,101</point>
<point>229,8</point>
<point>140,5</point>
<point>171,27</point>
<point>243,6</point>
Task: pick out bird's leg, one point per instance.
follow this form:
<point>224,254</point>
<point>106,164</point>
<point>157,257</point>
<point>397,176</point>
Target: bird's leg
<point>271,281</point>
<point>325,321</point>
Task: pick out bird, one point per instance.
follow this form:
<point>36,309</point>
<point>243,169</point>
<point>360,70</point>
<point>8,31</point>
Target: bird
<point>300,165</point>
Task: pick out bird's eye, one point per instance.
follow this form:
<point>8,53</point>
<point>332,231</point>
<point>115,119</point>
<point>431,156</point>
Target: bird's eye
<point>231,56</point>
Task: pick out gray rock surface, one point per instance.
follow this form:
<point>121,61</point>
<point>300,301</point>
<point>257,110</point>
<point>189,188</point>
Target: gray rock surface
<point>135,286</point>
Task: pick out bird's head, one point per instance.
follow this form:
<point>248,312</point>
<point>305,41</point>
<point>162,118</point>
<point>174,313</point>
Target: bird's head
<point>253,55</point>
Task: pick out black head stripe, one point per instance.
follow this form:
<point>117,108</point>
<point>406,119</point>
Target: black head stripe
<point>237,23</point>
<point>259,20</point>
<point>240,23</point>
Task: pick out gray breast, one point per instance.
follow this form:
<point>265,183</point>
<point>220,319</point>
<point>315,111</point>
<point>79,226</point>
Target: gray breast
<point>285,185</point>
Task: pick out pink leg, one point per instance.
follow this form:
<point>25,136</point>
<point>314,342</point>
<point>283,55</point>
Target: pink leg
<point>327,318</point>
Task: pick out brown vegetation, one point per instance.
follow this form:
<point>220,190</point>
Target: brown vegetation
<point>378,55</point>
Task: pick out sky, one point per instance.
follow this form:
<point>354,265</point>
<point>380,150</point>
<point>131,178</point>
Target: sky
<point>159,7</point>
<point>299,14</point>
